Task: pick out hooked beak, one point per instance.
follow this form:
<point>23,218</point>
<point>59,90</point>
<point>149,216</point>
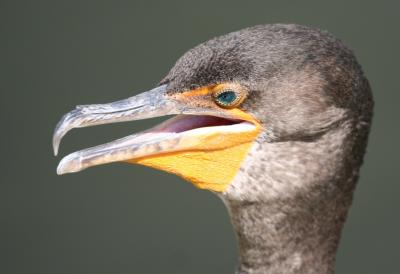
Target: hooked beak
<point>193,130</point>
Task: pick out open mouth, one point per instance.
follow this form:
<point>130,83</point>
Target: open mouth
<point>178,134</point>
<point>184,122</point>
<point>203,143</point>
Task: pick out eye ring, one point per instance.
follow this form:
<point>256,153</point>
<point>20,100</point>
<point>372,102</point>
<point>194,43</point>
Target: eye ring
<point>228,98</point>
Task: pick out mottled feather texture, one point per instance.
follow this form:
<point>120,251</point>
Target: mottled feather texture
<point>290,199</point>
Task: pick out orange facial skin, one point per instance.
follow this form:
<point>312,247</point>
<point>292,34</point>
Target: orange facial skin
<point>214,157</point>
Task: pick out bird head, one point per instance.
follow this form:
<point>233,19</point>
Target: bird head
<point>236,99</point>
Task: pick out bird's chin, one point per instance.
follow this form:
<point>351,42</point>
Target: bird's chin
<point>205,150</point>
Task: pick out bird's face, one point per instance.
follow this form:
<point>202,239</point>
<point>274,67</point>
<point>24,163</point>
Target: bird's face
<point>227,94</point>
<point>205,142</point>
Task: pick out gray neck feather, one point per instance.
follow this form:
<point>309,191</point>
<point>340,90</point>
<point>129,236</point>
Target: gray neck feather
<point>289,202</point>
<point>285,240</point>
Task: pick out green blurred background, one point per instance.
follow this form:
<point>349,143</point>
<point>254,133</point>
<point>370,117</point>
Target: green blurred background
<point>122,218</point>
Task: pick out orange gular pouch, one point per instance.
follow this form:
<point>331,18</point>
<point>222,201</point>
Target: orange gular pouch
<point>208,169</point>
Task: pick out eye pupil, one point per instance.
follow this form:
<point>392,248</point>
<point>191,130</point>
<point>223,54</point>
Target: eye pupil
<point>227,97</point>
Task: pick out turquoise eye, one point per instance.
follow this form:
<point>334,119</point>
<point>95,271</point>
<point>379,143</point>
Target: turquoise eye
<point>226,98</point>
<point>229,97</point>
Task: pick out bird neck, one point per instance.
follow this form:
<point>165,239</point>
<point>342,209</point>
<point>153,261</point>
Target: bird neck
<point>289,202</point>
<point>274,238</point>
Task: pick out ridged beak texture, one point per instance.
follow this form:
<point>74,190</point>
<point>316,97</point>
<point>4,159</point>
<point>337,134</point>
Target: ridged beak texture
<point>203,143</point>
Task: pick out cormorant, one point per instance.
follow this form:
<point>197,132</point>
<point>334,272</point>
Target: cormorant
<point>274,119</point>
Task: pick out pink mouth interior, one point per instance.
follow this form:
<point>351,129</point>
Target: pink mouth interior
<point>183,123</point>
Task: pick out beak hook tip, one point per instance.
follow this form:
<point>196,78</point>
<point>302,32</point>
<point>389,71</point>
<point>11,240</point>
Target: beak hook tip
<point>56,144</point>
